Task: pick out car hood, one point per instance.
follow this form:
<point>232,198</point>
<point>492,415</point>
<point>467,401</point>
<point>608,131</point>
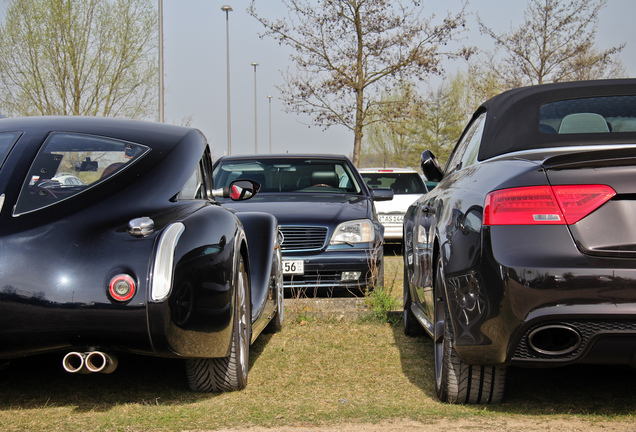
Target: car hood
<point>307,209</point>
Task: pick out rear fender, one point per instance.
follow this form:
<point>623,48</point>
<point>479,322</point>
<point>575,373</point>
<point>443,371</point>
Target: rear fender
<point>195,318</point>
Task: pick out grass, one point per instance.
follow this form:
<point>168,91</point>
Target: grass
<point>319,373</point>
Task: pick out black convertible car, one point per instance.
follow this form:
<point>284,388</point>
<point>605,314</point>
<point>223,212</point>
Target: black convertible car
<point>332,239</point>
<point>135,256</point>
<point>525,252</point>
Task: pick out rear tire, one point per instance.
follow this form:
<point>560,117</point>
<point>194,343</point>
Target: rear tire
<point>228,373</point>
<point>456,381</point>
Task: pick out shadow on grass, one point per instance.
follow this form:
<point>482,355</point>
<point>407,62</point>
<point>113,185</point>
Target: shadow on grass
<point>575,389</point>
<point>41,382</point>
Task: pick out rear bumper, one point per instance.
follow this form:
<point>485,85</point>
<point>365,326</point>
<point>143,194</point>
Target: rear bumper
<point>534,305</point>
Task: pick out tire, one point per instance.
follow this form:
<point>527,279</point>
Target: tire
<point>228,373</point>
<point>455,381</point>
<point>412,327</point>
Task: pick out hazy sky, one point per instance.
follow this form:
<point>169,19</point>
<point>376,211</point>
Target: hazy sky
<point>195,67</point>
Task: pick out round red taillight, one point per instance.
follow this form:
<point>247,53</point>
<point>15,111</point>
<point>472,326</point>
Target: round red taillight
<point>122,287</point>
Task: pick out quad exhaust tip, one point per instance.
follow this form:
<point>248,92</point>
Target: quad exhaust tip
<point>89,362</point>
<point>554,339</point>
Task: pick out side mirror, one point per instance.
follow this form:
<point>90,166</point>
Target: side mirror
<point>238,190</point>
<point>430,166</point>
<point>382,194</point>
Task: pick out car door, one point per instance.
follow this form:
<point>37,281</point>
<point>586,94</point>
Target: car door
<point>442,213</point>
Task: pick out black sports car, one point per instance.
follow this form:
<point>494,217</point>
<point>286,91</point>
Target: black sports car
<point>136,257</point>
<point>525,252</point>
<point>332,238</point>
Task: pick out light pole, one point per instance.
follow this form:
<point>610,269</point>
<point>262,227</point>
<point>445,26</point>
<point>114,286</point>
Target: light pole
<point>269,97</point>
<point>255,116</point>
<point>227,9</point>
<point>161,61</point>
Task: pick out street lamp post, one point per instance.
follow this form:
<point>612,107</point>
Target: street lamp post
<point>269,97</point>
<point>161,104</point>
<point>255,116</point>
<point>227,9</point>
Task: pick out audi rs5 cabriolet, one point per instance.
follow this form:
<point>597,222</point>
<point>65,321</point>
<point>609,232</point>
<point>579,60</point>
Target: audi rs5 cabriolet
<point>525,252</point>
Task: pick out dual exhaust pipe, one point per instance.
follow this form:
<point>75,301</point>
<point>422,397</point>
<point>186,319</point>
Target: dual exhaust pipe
<point>89,362</point>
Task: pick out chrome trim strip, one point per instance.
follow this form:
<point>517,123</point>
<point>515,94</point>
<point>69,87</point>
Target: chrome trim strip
<point>164,262</point>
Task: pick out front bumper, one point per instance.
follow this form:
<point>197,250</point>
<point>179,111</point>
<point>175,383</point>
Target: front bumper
<point>324,270</point>
<point>392,231</point>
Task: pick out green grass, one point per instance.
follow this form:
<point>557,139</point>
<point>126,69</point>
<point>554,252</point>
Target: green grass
<point>312,373</point>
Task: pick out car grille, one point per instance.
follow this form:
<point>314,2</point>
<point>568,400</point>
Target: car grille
<point>303,237</point>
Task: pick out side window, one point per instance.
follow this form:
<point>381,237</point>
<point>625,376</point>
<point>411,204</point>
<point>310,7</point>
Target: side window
<point>201,182</point>
<point>69,164</point>
<point>194,188</point>
<point>467,149</point>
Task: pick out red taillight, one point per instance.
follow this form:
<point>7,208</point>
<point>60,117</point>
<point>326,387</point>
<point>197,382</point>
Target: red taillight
<point>541,205</point>
<point>122,287</point>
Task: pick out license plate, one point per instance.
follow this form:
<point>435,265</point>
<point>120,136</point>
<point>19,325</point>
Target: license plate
<point>392,218</point>
<point>294,267</point>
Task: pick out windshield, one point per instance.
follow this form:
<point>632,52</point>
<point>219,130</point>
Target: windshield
<point>401,183</point>
<point>290,175</point>
<point>69,164</point>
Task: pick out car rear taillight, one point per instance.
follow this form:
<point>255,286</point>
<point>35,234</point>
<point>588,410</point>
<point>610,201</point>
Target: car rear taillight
<point>541,205</point>
<point>122,287</point>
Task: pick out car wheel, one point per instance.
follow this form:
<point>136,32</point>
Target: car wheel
<point>411,326</point>
<point>456,381</point>
<point>228,373</point>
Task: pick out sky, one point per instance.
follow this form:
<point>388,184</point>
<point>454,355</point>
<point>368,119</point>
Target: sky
<point>196,69</point>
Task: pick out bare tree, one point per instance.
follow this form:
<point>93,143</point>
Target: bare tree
<point>78,57</point>
<point>350,52</point>
<point>556,42</point>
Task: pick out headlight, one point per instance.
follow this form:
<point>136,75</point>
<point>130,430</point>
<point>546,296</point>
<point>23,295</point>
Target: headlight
<point>357,231</point>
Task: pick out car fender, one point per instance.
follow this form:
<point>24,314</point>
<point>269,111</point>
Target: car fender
<point>195,318</point>
<point>261,230</point>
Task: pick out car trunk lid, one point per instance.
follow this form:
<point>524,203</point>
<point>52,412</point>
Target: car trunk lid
<point>610,230</point>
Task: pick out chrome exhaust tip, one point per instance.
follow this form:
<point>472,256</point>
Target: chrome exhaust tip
<point>554,339</point>
<point>97,361</point>
<point>74,362</point>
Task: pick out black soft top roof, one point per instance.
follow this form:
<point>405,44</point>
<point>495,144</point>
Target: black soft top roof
<point>512,122</point>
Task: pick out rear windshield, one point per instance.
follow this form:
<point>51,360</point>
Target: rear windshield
<point>290,175</point>
<point>401,183</point>
<point>609,114</point>
<point>69,164</point>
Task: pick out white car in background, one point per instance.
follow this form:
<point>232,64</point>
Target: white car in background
<point>407,185</point>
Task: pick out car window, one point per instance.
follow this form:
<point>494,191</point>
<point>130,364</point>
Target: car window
<point>402,183</point>
<point>467,150</point>
<point>193,189</point>
<point>69,164</point>
<point>608,114</point>
<point>7,140</point>
<point>290,175</point>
